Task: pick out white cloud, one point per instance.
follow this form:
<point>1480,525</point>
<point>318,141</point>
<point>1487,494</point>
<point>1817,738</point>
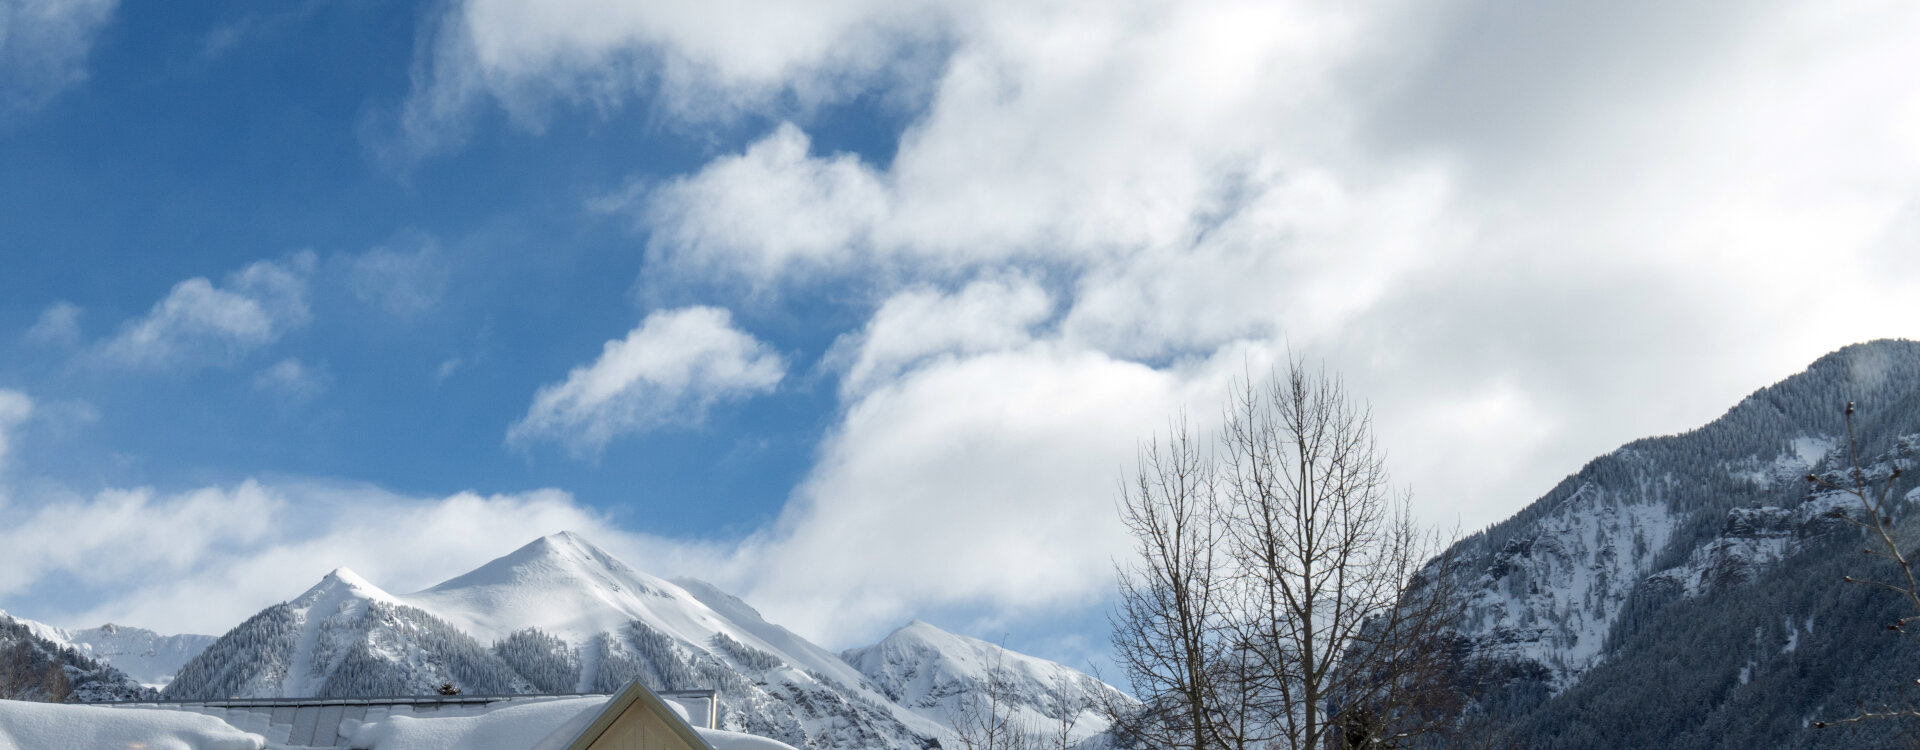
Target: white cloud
<point>984,480</point>
<point>204,559</point>
<point>1203,172</point>
<point>670,369</point>
<point>199,324</point>
<point>702,60</point>
<point>986,315</point>
<point>58,324</point>
<point>15,407</point>
<point>1056,131</point>
<point>768,210</point>
<point>1510,241</point>
<point>43,48</point>
<point>1526,233</point>
<point>121,534</point>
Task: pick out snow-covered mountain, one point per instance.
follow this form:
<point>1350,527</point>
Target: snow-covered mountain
<point>561,615</point>
<point>36,663</point>
<point>343,637</point>
<point>149,657</point>
<point>566,610</point>
<point>943,676</point>
<point>1657,542</point>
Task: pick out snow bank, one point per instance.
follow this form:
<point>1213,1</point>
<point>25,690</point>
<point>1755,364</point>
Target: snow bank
<point>547,725</point>
<point>59,726</point>
<point>723,740</point>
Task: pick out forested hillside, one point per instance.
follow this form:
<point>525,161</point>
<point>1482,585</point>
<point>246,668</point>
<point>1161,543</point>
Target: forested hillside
<point>1686,591</point>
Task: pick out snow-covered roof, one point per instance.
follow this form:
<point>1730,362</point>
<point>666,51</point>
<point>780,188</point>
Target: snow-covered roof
<point>522,722</point>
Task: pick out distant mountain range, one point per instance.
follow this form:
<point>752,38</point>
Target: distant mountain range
<point>561,615</point>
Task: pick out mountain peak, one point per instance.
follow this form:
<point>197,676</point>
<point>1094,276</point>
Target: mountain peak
<point>342,582</point>
<point>560,583</point>
<point>345,576</point>
<point>561,557</point>
<point>925,632</point>
<point>560,540</point>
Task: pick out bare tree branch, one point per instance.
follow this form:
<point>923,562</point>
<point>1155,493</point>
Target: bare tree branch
<point>1284,596</point>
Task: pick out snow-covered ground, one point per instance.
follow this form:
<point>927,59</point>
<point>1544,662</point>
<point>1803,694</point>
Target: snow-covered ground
<point>65,726</point>
<point>544,725</point>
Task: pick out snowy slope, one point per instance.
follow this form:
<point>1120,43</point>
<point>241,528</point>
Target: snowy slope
<point>147,656</point>
<point>795,649</point>
<point>38,629</point>
<point>343,637</point>
<point>1551,597</point>
<point>566,587</point>
<point>560,584</point>
<point>938,674</point>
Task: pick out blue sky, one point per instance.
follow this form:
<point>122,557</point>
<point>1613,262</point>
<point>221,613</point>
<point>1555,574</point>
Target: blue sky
<point>858,309</point>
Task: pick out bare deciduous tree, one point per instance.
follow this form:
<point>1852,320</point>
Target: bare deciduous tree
<point>25,675</point>
<point>1284,595</point>
<point>1878,523</point>
<point>1168,628</point>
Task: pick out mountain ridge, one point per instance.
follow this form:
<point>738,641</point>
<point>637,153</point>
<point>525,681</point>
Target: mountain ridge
<point>563,616</point>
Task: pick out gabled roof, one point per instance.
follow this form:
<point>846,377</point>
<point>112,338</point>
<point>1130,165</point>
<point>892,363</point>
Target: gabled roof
<point>633,693</point>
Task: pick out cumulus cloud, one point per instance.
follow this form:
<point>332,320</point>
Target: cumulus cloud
<point>987,315</point>
<point>670,369</point>
<point>43,48</point>
<point>1509,225</point>
<point>1206,172</point>
<point>200,324</point>
<point>204,559</point>
<point>984,480</point>
<point>771,209</point>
